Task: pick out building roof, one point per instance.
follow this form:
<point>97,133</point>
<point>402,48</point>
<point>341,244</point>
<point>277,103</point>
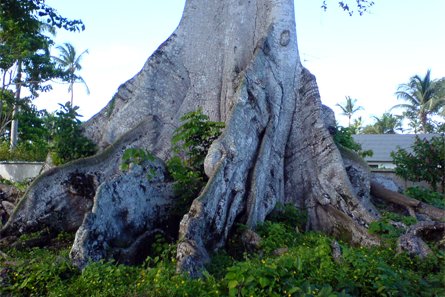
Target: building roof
<point>383,144</point>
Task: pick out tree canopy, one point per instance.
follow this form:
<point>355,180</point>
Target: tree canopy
<point>26,29</point>
<point>385,124</point>
<point>424,97</point>
<point>349,108</point>
<point>70,61</point>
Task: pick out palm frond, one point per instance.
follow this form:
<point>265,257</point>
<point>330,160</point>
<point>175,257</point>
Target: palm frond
<point>85,84</point>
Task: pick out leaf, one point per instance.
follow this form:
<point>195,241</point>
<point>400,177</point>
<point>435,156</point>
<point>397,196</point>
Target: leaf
<point>231,276</point>
<point>249,280</point>
<point>232,284</point>
<point>264,282</point>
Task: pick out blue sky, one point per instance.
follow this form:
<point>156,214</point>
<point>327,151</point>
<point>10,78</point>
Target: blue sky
<point>363,57</point>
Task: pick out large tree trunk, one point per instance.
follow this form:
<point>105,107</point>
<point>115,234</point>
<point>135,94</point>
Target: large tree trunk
<point>239,61</point>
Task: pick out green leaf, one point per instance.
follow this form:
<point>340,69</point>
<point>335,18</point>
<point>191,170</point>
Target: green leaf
<point>232,284</point>
<point>264,282</point>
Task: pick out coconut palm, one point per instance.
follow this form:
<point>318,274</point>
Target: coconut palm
<point>424,97</point>
<point>349,108</point>
<point>441,95</point>
<point>386,124</point>
<point>70,63</point>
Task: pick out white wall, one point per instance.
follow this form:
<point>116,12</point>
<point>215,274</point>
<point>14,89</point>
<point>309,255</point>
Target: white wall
<point>19,171</point>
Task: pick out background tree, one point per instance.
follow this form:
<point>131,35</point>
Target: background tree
<point>357,126</point>
<point>24,50</point>
<point>424,97</point>
<point>426,162</point>
<point>66,140</point>
<point>343,138</point>
<point>386,124</point>
<point>441,97</point>
<point>32,144</point>
<point>25,57</point>
<point>70,63</point>
<point>349,108</point>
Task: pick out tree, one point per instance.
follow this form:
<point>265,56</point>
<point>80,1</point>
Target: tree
<point>357,126</point>
<point>276,146</point>
<point>33,135</point>
<point>70,63</point>
<point>426,162</point>
<point>24,50</point>
<point>33,132</point>
<point>66,140</point>
<point>386,124</point>
<point>343,138</point>
<point>441,95</point>
<point>349,108</point>
<point>424,97</point>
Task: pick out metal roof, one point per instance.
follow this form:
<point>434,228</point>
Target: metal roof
<point>383,144</point>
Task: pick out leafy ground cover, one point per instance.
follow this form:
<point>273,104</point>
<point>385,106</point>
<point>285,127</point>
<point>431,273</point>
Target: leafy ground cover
<point>304,267</point>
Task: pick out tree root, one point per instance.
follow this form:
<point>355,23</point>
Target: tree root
<point>412,205</point>
<point>413,241</point>
<point>43,240</point>
<point>138,251</point>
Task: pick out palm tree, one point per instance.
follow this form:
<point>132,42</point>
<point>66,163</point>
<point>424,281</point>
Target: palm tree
<point>70,62</point>
<point>424,97</point>
<point>386,124</point>
<point>441,95</point>
<point>349,108</point>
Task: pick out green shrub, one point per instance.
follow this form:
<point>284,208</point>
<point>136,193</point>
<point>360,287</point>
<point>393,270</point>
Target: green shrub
<point>289,215</point>
<point>426,162</point>
<point>32,143</point>
<point>21,186</point>
<point>67,141</point>
<point>135,156</point>
<point>386,229</point>
<point>306,269</point>
<point>40,133</point>
<point>434,198</point>
<point>99,279</point>
<point>343,137</point>
<point>24,151</point>
<point>36,273</point>
<point>219,264</point>
<point>191,142</point>
<point>276,235</point>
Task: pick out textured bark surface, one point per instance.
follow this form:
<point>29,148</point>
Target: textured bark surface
<point>276,147</point>
<point>239,61</point>
<point>413,241</point>
<point>60,198</point>
<point>126,210</point>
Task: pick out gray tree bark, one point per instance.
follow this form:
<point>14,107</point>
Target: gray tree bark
<point>239,61</point>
